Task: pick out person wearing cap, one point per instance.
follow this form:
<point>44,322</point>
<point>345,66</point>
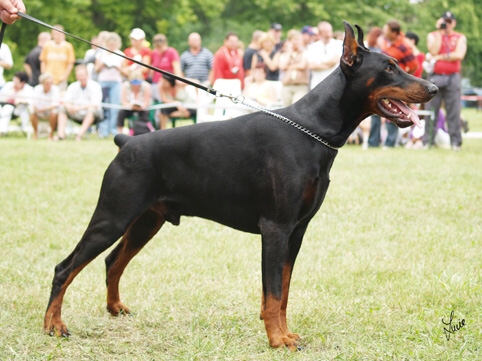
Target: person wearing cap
<point>323,55</point>
<point>82,103</point>
<point>58,58</point>
<point>165,58</point>
<point>308,35</point>
<point>447,48</point>
<point>137,51</point>
<point>135,99</point>
<point>275,31</point>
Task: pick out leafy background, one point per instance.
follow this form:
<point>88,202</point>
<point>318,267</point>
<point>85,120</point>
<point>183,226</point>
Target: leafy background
<point>214,18</point>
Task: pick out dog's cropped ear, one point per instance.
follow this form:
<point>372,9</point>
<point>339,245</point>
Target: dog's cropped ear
<point>352,47</point>
<point>361,36</point>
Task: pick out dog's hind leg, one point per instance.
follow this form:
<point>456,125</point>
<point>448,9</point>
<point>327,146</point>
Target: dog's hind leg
<point>138,234</point>
<point>122,198</point>
<point>95,240</point>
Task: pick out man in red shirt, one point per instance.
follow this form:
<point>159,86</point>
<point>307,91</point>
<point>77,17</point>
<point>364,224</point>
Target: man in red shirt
<point>394,44</point>
<point>447,47</point>
<point>228,61</point>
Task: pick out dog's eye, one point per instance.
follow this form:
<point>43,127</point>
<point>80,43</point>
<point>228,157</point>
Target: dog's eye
<point>389,68</point>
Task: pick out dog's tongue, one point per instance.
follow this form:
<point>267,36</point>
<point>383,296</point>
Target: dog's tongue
<point>409,112</point>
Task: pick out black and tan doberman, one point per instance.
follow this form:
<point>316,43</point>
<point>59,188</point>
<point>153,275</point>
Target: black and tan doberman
<point>257,173</point>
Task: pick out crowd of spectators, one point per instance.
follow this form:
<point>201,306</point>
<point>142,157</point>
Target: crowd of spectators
<point>110,90</point>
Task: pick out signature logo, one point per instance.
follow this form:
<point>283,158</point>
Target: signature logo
<point>452,327</point>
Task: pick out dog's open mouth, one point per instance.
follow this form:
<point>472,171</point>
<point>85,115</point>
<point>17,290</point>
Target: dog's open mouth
<point>397,112</point>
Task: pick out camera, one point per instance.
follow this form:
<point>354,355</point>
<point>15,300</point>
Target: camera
<point>443,26</point>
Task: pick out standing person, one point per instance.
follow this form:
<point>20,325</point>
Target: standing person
<point>108,70</point>
<point>413,39</point>
<point>267,55</point>
<point>32,62</point>
<point>137,51</point>
<point>394,44</point>
<point>251,49</point>
<point>6,61</point>
<point>448,48</point>
<point>9,10</point>
<point>197,61</point>
<point>323,55</point>
<point>228,62</point>
<point>294,65</point>
<point>15,97</point>
<point>82,103</point>
<point>165,58</point>
<point>276,30</point>
<point>309,35</point>
<point>45,104</point>
<point>374,137</point>
<point>58,58</point>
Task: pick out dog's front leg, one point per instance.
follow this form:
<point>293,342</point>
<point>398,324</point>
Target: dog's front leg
<point>274,255</point>
<point>293,248</point>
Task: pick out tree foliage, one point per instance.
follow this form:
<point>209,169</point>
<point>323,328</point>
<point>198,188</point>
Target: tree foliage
<point>214,18</point>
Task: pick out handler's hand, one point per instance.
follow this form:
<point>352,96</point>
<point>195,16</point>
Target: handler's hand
<point>9,10</point>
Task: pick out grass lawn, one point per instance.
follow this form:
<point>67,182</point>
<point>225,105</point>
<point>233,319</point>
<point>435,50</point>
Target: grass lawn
<point>395,248</point>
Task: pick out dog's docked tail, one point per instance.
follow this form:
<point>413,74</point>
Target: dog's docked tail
<point>121,139</point>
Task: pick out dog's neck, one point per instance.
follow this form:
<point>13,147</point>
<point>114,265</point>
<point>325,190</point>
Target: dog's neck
<point>331,109</point>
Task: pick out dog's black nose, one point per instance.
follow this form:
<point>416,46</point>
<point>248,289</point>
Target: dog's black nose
<point>432,89</point>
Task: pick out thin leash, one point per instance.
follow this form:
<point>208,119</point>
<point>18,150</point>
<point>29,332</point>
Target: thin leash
<point>239,99</point>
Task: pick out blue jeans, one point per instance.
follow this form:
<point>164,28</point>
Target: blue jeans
<point>112,94</point>
<point>374,138</point>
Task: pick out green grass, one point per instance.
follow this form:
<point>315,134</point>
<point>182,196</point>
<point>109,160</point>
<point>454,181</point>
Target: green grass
<point>393,250</point>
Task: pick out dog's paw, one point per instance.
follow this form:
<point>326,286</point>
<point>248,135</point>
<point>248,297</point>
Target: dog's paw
<point>117,309</point>
<point>59,329</point>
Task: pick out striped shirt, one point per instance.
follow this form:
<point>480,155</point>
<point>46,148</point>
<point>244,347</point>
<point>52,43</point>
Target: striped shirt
<point>197,66</point>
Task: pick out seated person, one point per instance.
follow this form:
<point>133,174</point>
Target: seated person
<point>172,91</point>
<point>82,103</point>
<point>135,99</point>
<point>260,90</point>
<point>14,101</point>
<point>45,104</point>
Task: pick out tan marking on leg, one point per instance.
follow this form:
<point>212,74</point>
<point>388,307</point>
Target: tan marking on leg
<point>131,244</point>
<point>286,280</point>
<point>272,321</point>
<point>53,316</point>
